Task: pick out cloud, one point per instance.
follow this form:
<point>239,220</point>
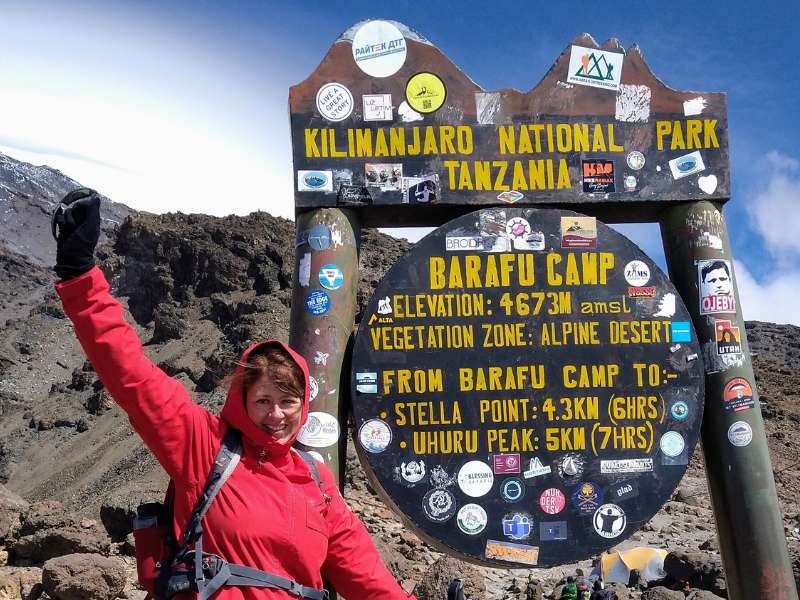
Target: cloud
<point>774,208</point>
<point>774,300</point>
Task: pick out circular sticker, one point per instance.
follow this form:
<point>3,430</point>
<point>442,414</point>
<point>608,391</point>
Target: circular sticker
<point>635,160</point>
<point>439,505</point>
<point>512,489</point>
<point>737,394</point>
<point>740,434</point>
<point>570,466</point>
<point>425,92</point>
<point>320,431</point>
<point>637,273</point>
<point>630,183</point>
<point>412,471</point>
<point>552,501</point>
<point>475,478</point>
<point>375,435</point>
<point>679,410</point>
<point>587,497</point>
<point>319,238</point>
<point>609,521</point>
<point>379,49</point>
<point>331,277</point>
<point>313,388</point>
<point>672,443</point>
<point>472,519</point>
<point>334,101</point>
<point>318,302</point>
<point>518,227</point>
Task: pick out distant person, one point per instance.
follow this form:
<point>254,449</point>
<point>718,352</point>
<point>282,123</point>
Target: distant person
<point>598,593</point>
<point>716,279</point>
<point>570,590</point>
<point>533,589</point>
<point>270,515</point>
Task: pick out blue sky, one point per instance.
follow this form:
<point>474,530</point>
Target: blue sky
<point>183,105</point>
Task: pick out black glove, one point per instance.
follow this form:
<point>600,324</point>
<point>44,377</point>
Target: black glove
<point>76,228</point>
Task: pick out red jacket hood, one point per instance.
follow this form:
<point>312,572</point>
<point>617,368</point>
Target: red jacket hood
<point>235,414</point>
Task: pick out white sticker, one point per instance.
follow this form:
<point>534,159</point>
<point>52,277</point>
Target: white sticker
<point>686,165</point>
<point>708,183</point>
<point>377,107</point>
<point>666,306</point>
<point>475,478</point>
<point>334,102</point>
<point>633,103</point>
<point>408,114</point>
<point>695,106</point>
<point>375,435</point>
<point>536,468</point>
<point>313,388</point>
<point>609,521</point>
<point>314,181</point>
<point>595,68</point>
<point>472,519</point>
<point>304,272</point>
<point>413,471</point>
<point>463,243</point>
<point>740,434</point>
<point>635,160</point>
<point>637,273</point>
<point>367,382</point>
<point>384,306</point>
<point>672,443</point>
<point>320,431</point>
<point>627,465</point>
<point>379,49</point>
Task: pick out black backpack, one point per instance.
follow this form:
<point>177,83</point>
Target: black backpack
<point>167,567</point>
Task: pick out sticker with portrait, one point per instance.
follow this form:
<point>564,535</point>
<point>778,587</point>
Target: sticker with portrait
<point>715,280</point>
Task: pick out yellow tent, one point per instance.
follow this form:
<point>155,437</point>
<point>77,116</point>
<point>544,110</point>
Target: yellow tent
<point>617,565</point>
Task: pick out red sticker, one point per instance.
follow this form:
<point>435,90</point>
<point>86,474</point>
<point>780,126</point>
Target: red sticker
<point>552,501</point>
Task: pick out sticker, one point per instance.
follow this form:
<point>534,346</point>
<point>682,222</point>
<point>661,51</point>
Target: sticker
<point>708,183</point>
<point>729,340</point>
<point>666,306</point>
<point>552,530</point>
<point>578,232</point>
<point>587,497</point>
<point>377,107</point>
<point>441,478</point>
<point>342,177</point>
<point>313,388</point>
<point>353,194</point>
<point>375,435</point>
<point>536,468</point>
<point>598,176</point>
<point>331,277</point>
<point>320,431</point>
<point>472,519</point>
<point>317,456</point>
<point>384,306</point>
<point>686,165</point>
<point>463,243</point>
<point>679,410</point>
<point>571,465</point>
<point>420,190</point>
<point>493,231</point>
<point>672,443</point>
<point>510,552</point>
<point>379,49</point>
<point>693,107</point>
<point>637,273</point>
<point>633,103</point>
<point>304,270</point>
<point>627,465</point>
<point>439,505</point>
<point>321,358</point>
<point>510,197</point>
<point>517,526</point>
<point>318,302</point>
<point>595,68</point>
<point>319,237</point>
<point>425,92</point>
<point>314,181</point>
<point>680,331</point>
<point>609,521</point>
<point>630,183</point>
<point>716,287</point>
<point>412,471</point>
<point>624,491</point>
<point>475,478</point>
<point>367,382</point>
<point>642,292</point>
<point>408,114</point>
<point>740,434</point>
<point>505,463</point>
<point>512,490</point>
<point>334,102</point>
<point>635,160</point>
<point>552,501</point>
<point>738,395</point>
<point>386,177</point>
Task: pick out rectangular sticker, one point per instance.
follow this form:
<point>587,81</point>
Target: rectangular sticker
<point>686,165</point>
<point>367,383</point>
<point>729,339</point>
<point>314,181</point>
<point>552,530</point>
<point>505,463</point>
<point>627,465</point>
<point>387,177</point>
<point>623,491</point>
<point>578,232</point>
<point>420,190</point>
<point>463,243</point>
<point>511,552</point>
<point>598,176</point>
<point>377,107</point>
<point>716,287</point>
<point>595,68</point>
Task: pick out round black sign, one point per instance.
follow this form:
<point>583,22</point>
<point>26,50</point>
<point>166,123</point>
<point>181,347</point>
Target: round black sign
<point>527,387</point>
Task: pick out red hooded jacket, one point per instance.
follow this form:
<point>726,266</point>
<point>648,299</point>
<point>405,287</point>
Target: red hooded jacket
<point>270,514</point>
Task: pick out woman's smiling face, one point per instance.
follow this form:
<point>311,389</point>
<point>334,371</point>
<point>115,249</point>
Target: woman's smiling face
<point>273,410</point>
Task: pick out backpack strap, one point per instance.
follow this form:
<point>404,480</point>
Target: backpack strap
<point>312,465</point>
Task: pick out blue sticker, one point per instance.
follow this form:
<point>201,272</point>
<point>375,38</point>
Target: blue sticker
<point>319,237</point>
<point>679,410</point>
<point>518,527</point>
<point>331,277</point>
<point>552,530</point>
<point>512,489</point>
<point>587,497</point>
<point>680,331</point>
<point>318,302</point>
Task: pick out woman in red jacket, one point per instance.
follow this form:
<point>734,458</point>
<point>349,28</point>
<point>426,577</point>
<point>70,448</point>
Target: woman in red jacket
<point>270,514</point>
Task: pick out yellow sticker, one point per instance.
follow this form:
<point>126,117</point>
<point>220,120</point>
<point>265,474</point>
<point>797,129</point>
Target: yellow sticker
<point>425,92</point>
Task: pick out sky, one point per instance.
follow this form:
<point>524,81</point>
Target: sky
<point>183,106</point>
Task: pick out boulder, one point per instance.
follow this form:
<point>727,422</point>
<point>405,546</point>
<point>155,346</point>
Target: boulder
<point>83,577</point>
<point>58,541</point>
<point>702,595</point>
<point>20,582</point>
<point>702,570</point>
<point>11,509</point>
<point>662,593</point>
<point>117,516</point>
<point>46,514</point>
<point>434,583</point>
